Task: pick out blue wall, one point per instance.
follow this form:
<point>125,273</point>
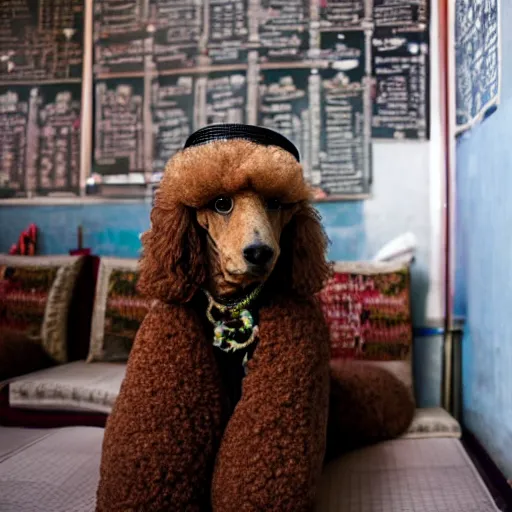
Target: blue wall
<point>484,268</point>
<point>113,229</point>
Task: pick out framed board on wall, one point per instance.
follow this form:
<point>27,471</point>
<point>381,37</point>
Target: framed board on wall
<point>477,61</point>
<point>329,74</point>
<point>40,96</point>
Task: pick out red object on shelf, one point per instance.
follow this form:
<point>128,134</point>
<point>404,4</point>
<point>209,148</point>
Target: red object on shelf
<point>27,242</point>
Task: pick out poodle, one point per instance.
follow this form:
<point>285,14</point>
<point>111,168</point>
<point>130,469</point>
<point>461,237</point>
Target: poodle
<point>225,402</point>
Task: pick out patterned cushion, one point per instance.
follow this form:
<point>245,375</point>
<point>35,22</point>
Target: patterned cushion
<point>433,422</point>
<point>35,293</point>
<point>118,310</point>
<point>368,309</point>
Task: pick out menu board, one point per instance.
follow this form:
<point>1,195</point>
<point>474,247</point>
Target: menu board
<point>172,115</point>
<point>39,139</point>
<point>14,119</point>
<point>40,96</point>
<point>343,14</point>
<point>477,61</point>
<point>400,15</point>
<point>301,68</point>
<point>177,30</point>
<point>284,105</point>
<point>57,136</point>
<point>119,36</point>
<point>283,33</point>
<point>118,127</point>
<point>400,68</point>
<point>400,105</point>
<point>329,74</point>
<point>344,153</point>
<point>226,97</point>
<point>40,40</point>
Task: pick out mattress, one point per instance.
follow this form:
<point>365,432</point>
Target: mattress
<point>405,475</point>
<point>58,471</point>
<point>49,470</point>
<point>77,386</point>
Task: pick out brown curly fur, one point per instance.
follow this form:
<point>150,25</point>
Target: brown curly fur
<point>169,443</point>
<point>368,404</point>
<point>272,450</point>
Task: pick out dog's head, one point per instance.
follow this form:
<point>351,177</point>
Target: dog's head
<point>229,215</point>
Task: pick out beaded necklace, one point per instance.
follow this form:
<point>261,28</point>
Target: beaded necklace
<point>239,322</point>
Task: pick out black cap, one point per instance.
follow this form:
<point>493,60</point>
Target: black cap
<point>257,134</point>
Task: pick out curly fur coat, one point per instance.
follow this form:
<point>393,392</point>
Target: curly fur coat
<point>171,443</point>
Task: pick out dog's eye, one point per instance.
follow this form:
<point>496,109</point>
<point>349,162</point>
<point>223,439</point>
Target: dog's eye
<point>273,205</point>
<point>223,205</point>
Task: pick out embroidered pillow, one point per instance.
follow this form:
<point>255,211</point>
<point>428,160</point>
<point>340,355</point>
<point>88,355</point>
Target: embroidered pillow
<point>118,310</point>
<point>35,294</point>
<point>368,309</point>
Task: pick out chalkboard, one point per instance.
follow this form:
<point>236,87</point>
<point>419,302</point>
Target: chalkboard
<point>283,33</point>
<point>40,40</point>
<point>330,74</point>
<point>40,96</point>
<point>14,119</point>
<point>400,68</point>
<point>345,150</point>
<point>119,37</point>
<point>178,29</point>
<point>172,115</point>
<point>401,15</point>
<point>226,97</point>
<point>342,14</point>
<point>58,133</point>
<point>346,51</point>
<point>306,69</point>
<point>477,60</point>
<point>284,104</point>
<point>118,126</point>
<point>39,139</point>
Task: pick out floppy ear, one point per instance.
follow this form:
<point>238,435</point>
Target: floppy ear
<point>303,257</point>
<point>172,267</point>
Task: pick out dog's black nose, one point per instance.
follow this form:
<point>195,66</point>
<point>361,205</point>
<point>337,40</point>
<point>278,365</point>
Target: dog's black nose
<point>258,254</point>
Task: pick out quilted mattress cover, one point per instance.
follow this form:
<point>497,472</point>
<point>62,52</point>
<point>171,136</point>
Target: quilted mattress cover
<point>58,470</point>
<point>49,470</point>
<point>77,386</point>
<point>405,475</point>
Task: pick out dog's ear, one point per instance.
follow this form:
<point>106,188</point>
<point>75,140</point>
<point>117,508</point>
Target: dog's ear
<point>303,265</point>
<point>172,267</point>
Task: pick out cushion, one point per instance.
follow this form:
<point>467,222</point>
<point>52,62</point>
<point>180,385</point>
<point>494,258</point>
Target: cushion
<point>118,310</point>
<point>35,294</point>
<point>33,418</point>
<point>433,422</point>
<point>20,354</point>
<point>50,470</point>
<point>58,470</point>
<point>367,306</point>
<point>420,475</point>
<point>76,386</point>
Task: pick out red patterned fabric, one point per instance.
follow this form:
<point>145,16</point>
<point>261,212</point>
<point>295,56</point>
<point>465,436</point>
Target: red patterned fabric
<point>369,315</point>
<point>23,295</point>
